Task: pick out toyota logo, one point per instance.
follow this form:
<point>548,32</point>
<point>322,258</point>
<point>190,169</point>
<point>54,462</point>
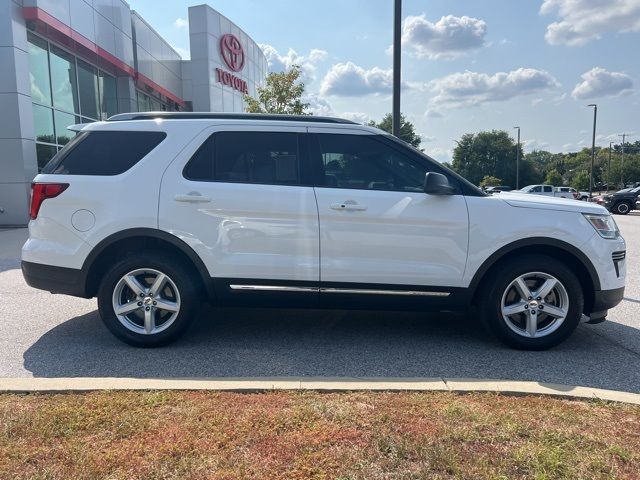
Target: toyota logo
<point>232,52</point>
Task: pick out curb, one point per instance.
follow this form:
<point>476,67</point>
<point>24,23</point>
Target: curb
<point>79,384</point>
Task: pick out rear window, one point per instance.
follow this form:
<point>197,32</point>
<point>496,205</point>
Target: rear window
<point>103,152</point>
<point>247,157</point>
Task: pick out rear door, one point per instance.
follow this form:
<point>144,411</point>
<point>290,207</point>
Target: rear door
<point>236,195</point>
<point>378,229</point>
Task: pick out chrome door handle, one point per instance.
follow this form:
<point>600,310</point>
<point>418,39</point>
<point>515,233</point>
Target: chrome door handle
<point>351,206</point>
<point>191,197</point>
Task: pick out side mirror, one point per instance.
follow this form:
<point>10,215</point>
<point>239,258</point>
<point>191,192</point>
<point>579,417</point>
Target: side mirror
<point>437,184</point>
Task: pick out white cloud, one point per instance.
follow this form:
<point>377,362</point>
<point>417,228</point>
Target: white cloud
<point>427,138</point>
<point>307,63</point>
<point>433,114</point>
<point>581,21</point>
<point>616,138</point>
<point>447,38</point>
<point>357,117</point>
<point>317,55</point>
<point>473,88</point>
<point>318,105</point>
<point>534,144</point>
<point>351,80</point>
<point>598,82</point>
<point>183,52</point>
<point>440,154</point>
<point>181,23</point>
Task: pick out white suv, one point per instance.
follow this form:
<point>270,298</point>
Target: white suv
<point>153,213</point>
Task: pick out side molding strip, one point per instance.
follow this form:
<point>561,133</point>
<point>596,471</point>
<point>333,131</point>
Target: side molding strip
<point>385,292</point>
<point>281,288</point>
<point>274,288</point>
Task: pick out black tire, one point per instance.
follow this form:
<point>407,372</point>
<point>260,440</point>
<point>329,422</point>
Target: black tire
<point>188,293</point>
<point>622,208</point>
<point>497,282</point>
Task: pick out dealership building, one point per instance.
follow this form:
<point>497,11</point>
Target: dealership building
<point>66,62</point>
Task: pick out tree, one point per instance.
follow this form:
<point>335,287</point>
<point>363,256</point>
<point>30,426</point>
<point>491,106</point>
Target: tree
<point>553,178</point>
<point>491,153</point>
<point>581,180</point>
<point>282,93</point>
<point>489,180</point>
<point>407,129</point>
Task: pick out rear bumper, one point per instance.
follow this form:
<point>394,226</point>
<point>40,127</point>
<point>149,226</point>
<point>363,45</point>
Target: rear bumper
<point>68,281</point>
<point>604,300</point>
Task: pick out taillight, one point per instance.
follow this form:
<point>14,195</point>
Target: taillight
<point>40,192</point>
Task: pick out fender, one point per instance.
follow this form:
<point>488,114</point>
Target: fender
<point>531,242</point>
<point>153,233</point>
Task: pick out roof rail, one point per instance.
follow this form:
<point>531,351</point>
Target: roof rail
<point>223,116</point>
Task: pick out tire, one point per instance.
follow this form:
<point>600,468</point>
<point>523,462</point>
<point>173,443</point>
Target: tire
<point>622,208</point>
<point>146,320</point>
<point>517,329</point>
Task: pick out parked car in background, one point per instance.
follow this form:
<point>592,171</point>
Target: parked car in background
<point>623,201</point>
<point>549,191</point>
<point>578,195</point>
<point>153,213</point>
<point>497,189</point>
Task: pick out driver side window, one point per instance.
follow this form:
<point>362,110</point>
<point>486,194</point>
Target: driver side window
<point>362,162</point>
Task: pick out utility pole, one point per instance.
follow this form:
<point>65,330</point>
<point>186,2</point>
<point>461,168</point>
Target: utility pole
<point>397,51</point>
<point>593,148</point>
<point>518,161</point>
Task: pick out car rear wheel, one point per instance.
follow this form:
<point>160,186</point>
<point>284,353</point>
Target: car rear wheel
<point>147,300</point>
<point>622,208</point>
<point>532,303</point>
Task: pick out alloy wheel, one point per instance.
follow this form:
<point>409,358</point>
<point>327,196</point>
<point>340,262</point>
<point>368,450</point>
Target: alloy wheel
<point>146,301</point>
<point>535,304</point>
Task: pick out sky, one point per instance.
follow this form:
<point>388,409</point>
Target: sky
<point>467,65</point>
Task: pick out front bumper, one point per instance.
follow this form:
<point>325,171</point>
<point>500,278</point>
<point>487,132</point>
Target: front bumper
<point>603,300</point>
<point>68,281</point>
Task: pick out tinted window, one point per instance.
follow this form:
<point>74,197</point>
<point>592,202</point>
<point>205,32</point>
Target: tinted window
<point>103,153</point>
<point>362,162</point>
<point>200,167</point>
<point>247,157</point>
<point>536,189</point>
<point>548,189</point>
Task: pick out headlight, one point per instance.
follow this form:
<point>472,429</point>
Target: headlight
<point>605,225</point>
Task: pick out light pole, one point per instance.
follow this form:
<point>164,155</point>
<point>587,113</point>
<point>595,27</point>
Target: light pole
<point>397,50</point>
<point>593,148</point>
<point>518,160</point>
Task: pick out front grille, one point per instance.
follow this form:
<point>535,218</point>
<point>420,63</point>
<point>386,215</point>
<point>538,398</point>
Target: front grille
<point>617,257</point>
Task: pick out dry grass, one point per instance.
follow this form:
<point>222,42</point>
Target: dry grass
<point>292,435</point>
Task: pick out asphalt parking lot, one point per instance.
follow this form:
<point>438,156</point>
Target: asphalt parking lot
<point>44,335</point>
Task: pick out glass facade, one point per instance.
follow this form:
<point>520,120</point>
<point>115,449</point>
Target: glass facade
<point>147,103</point>
<point>65,90</point>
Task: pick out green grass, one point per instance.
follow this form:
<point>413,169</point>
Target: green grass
<point>294,435</point>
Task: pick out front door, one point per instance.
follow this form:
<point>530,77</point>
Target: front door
<point>378,229</point>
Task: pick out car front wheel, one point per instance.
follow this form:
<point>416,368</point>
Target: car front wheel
<point>533,303</point>
<point>147,302</point>
<point>622,208</point>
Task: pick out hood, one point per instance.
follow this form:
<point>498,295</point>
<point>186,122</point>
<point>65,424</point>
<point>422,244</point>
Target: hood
<point>541,202</point>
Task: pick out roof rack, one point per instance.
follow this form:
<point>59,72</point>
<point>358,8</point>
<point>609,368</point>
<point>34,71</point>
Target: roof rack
<point>223,116</point>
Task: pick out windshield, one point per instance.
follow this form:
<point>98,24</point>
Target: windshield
<point>630,190</point>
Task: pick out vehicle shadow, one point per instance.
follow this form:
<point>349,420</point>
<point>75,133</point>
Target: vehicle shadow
<point>250,343</point>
